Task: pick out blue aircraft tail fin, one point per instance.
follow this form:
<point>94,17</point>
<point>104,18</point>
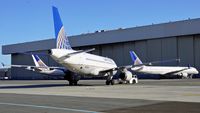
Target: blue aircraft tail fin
<point>62,41</point>
<point>38,62</point>
<point>135,58</point>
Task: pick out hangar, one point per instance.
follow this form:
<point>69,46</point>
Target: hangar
<point>156,42</point>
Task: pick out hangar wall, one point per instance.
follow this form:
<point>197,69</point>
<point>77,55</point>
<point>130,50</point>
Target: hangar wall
<point>184,47</point>
<point>159,42</point>
<point>187,48</point>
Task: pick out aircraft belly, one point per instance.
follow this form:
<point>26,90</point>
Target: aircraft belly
<point>86,65</point>
<point>76,68</point>
<point>84,69</point>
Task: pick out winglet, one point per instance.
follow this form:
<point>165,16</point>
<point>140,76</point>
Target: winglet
<point>62,41</point>
<point>135,58</point>
<point>189,66</point>
<point>3,65</point>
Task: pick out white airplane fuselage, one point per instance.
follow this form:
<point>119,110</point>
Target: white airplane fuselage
<point>82,63</point>
<point>47,71</point>
<point>165,69</point>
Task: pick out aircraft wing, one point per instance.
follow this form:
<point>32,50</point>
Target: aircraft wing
<point>120,68</point>
<point>108,70</point>
<point>176,71</point>
<point>25,66</point>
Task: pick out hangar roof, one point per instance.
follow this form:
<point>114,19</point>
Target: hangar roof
<point>170,29</point>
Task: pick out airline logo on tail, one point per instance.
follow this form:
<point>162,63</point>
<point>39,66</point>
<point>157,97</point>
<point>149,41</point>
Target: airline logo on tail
<point>62,41</point>
<point>38,62</point>
<point>135,59</point>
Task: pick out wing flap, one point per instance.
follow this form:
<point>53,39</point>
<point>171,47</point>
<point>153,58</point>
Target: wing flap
<point>75,53</point>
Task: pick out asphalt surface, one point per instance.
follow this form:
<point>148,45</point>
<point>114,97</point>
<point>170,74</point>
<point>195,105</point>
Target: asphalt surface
<point>92,96</point>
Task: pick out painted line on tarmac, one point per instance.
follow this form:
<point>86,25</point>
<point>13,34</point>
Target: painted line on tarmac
<point>191,94</point>
<point>48,107</point>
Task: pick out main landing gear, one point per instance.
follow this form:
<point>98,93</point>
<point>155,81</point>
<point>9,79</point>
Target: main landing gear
<point>110,79</point>
<point>73,78</point>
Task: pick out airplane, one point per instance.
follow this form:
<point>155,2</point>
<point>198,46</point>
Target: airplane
<point>184,72</point>
<point>4,69</point>
<point>42,68</point>
<point>81,62</point>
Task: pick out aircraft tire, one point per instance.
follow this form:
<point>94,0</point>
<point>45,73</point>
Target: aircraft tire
<point>112,82</point>
<point>107,82</point>
<point>75,83</point>
<point>71,83</point>
<point>133,82</point>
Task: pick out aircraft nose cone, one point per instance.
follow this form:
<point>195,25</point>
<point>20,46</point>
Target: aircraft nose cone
<point>197,72</point>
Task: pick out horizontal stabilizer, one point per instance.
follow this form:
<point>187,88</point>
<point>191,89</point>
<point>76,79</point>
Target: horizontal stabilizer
<point>75,53</point>
<point>82,51</point>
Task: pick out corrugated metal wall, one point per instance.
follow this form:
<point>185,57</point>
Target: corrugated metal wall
<point>187,48</point>
<point>196,46</point>
<point>169,50</point>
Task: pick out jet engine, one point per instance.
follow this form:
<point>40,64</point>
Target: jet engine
<point>127,76</point>
<point>30,68</point>
<point>184,75</point>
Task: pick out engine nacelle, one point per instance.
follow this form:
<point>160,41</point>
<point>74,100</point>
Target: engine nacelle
<point>184,75</point>
<point>30,68</point>
<point>94,72</point>
<point>127,76</point>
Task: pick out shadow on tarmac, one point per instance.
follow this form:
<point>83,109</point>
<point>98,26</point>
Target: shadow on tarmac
<point>44,86</point>
<point>164,107</point>
<point>32,86</point>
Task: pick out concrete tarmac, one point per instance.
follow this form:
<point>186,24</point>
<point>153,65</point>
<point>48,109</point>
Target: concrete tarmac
<point>90,96</point>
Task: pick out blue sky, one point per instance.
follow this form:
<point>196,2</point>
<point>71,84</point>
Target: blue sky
<point>31,20</point>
